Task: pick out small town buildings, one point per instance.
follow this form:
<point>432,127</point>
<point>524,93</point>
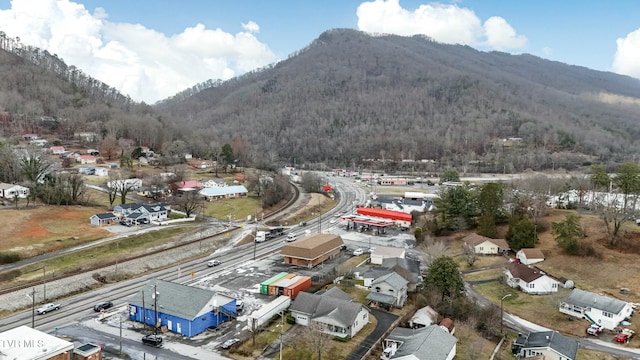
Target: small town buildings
<point>384,252</point>
<point>132,184</point>
<point>530,256</point>
<point>550,344</point>
<point>389,291</point>
<point>598,309</point>
<point>399,218</point>
<point>182,309</point>
<point>104,219</point>
<point>11,191</point>
<point>214,183</point>
<point>25,343</point>
<point>484,245</point>
<point>188,185</point>
<point>57,150</point>
<point>333,311</point>
<point>312,250</point>
<point>152,212</point>
<point>427,343</point>
<point>225,192</point>
<point>38,142</point>
<point>86,159</point>
<point>530,280</point>
<point>409,269</point>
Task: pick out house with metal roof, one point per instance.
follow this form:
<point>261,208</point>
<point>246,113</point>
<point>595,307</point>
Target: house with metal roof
<point>428,343</point>
<point>11,191</point>
<point>312,250</point>
<point>530,280</point>
<point>103,219</point>
<point>333,309</point>
<point>181,309</point>
<point>385,252</point>
<point>388,291</point>
<point>598,309</point>
<point>224,192</point>
<point>550,344</point>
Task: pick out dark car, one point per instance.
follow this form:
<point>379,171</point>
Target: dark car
<point>151,339</point>
<point>103,305</point>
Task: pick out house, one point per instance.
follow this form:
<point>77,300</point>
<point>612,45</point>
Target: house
<point>214,183</point>
<point>104,219</point>
<point>550,344</point>
<point>132,184</point>
<point>530,256</point>
<point>225,192</point>
<point>427,343</point>
<point>389,291</point>
<point>86,159</point>
<point>189,185</point>
<point>598,309</point>
<point>87,136</point>
<point>100,171</point>
<point>312,250</point>
<point>530,280</point>
<point>30,137</point>
<point>182,309</point>
<point>423,317</point>
<point>38,142</point>
<point>25,343</point>
<point>10,191</point>
<point>153,212</point>
<point>57,150</point>
<point>333,312</point>
<point>484,245</point>
<point>407,268</point>
<point>384,252</point>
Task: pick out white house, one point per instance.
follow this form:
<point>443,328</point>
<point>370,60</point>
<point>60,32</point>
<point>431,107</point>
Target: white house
<point>484,245</point>
<point>388,291</point>
<point>384,252</point>
<point>427,343</point>
<point>86,159</point>
<point>333,310</point>
<point>57,150</point>
<point>10,191</point>
<point>549,345</point>
<point>530,280</point>
<point>530,256</point>
<point>423,317</point>
<point>598,309</point>
<point>132,184</point>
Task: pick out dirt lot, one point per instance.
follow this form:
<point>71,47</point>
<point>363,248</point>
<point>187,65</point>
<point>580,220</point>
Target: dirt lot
<point>31,231</point>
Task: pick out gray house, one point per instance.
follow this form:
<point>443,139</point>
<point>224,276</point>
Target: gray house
<point>427,343</point>
<point>333,311</point>
<point>103,219</point>
<point>550,344</point>
<point>388,291</point>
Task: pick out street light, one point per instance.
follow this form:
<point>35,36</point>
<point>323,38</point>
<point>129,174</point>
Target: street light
<point>33,307</point>
<point>502,312</point>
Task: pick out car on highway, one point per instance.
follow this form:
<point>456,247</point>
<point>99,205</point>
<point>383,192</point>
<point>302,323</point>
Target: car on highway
<point>229,343</point>
<point>102,305</point>
<point>47,308</point>
<point>212,263</point>
<point>358,252</point>
<point>152,339</point>
<point>332,221</point>
<point>291,237</point>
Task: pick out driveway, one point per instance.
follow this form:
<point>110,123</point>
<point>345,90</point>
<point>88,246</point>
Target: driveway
<point>385,320</point>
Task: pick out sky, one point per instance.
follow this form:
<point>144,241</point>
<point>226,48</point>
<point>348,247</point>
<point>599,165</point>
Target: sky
<point>151,50</point>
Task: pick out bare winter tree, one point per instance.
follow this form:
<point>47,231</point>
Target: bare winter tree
<point>317,340</point>
<point>470,254</point>
<point>190,202</point>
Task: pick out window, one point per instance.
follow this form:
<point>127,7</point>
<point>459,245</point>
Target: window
<point>377,288</point>
<point>531,286</point>
<point>554,285</point>
<point>607,314</point>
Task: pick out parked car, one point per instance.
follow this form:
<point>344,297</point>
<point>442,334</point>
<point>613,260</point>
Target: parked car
<point>103,305</point>
<point>229,343</point>
<point>624,336</point>
<point>47,308</point>
<point>152,339</point>
<point>594,330</point>
<point>213,263</point>
<point>358,252</point>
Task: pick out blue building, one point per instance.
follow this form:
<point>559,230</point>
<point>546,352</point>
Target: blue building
<point>182,309</point>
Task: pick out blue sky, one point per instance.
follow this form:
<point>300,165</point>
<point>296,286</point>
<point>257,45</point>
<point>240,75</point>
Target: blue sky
<point>153,49</point>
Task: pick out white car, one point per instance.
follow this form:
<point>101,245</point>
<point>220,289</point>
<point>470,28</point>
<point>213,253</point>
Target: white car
<point>291,237</point>
<point>47,307</point>
<point>212,263</point>
<point>358,252</point>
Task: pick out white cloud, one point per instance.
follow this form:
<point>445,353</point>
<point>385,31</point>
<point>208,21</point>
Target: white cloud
<point>140,62</point>
<point>445,23</point>
<point>626,61</point>
<point>251,27</point>
<point>547,51</point>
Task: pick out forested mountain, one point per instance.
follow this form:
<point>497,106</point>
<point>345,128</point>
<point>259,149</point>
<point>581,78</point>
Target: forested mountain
<point>40,93</point>
<point>350,96</point>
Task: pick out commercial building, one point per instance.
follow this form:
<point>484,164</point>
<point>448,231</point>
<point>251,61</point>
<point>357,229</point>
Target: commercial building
<point>312,250</point>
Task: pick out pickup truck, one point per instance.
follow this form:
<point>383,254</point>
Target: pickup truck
<point>47,307</point>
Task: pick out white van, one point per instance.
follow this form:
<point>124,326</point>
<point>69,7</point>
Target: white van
<point>291,237</point>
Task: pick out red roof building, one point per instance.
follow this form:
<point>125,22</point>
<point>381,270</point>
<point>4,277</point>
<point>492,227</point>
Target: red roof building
<point>398,217</point>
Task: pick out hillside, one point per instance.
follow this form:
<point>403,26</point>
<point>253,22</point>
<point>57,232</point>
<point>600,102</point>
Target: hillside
<point>349,96</point>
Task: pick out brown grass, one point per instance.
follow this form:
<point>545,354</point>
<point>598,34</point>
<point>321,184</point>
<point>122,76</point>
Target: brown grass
<point>28,229</point>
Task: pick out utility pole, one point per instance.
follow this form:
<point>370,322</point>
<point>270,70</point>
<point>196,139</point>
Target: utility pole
<point>33,308</point>
<point>502,313</point>
<point>120,318</point>
<point>44,282</point>
<point>155,310</point>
